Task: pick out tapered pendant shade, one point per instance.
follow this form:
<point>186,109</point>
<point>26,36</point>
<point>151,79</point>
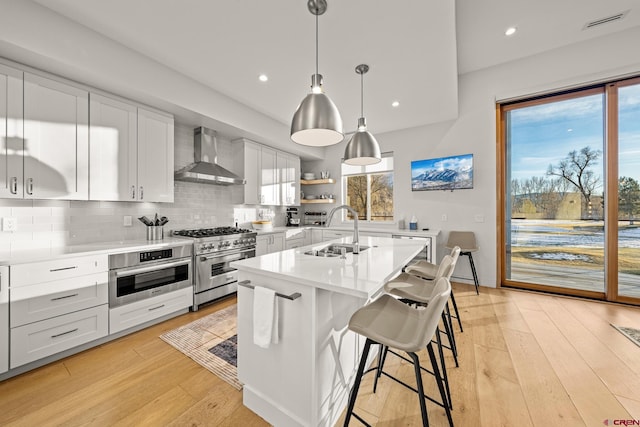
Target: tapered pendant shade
<point>363,148</point>
<point>317,121</point>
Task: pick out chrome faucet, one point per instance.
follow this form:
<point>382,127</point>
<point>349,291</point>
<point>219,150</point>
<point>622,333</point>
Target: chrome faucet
<point>356,239</point>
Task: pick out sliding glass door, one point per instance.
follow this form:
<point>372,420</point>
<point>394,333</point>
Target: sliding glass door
<point>570,192</point>
<point>628,275</point>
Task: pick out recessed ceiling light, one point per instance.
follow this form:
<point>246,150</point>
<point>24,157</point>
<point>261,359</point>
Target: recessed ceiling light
<point>395,104</point>
<point>510,31</point>
<point>263,77</point>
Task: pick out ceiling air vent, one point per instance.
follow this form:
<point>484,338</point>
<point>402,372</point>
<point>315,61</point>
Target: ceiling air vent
<point>601,21</point>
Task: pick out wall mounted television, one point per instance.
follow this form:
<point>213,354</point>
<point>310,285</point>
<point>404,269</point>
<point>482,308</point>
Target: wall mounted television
<point>442,173</point>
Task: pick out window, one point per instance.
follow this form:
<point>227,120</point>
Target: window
<point>570,168</point>
<point>369,190</point>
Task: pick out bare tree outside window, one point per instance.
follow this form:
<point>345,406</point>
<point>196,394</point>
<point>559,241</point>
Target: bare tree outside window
<point>575,168</point>
<point>369,190</point>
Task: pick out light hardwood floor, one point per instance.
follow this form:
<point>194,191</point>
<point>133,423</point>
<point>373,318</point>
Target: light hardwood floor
<point>525,359</point>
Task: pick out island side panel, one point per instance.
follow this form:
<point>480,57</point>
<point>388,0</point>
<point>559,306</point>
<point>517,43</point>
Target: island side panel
<point>337,353</point>
<point>278,383</point>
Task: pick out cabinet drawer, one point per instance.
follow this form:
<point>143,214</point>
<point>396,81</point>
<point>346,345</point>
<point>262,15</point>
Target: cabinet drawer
<point>330,235</point>
<point>58,269</point>
<point>293,243</point>
<point>41,339</point>
<point>139,312</point>
<point>38,302</point>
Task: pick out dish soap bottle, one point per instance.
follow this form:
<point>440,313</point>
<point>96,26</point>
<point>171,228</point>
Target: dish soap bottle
<point>413,224</point>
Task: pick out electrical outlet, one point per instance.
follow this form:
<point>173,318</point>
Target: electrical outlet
<point>9,224</point>
<point>479,218</point>
<point>127,221</point>
<point>444,218</point>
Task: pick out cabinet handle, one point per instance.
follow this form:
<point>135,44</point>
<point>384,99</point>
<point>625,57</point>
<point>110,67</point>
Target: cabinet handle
<point>64,333</point>
<point>141,193</point>
<point>155,308</point>
<point>64,297</point>
<point>63,268</point>
<point>30,186</point>
<point>133,191</point>
<point>14,185</point>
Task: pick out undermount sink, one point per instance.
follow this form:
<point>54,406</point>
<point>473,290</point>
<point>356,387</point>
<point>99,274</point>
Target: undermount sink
<point>334,250</point>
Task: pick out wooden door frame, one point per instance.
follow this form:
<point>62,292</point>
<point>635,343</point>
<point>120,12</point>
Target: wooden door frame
<point>610,92</point>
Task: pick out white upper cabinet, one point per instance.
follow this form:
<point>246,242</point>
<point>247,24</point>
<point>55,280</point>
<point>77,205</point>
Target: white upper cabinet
<point>248,164</point>
<point>271,176</point>
<point>288,167</point>
<point>113,149</point>
<point>11,133</point>
<point>155,157</point>
<point>56,140</point>
<point>131,152</point>
<point>269,181</point>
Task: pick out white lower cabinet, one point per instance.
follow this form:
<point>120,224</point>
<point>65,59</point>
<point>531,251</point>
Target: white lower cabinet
<point>4,319</point>
<point>34,303</point>
<point>56,305</point>
<point>41,339</point>
<point>269,243</point>
<point>295,238</point>
<point>139,312</point>
<point>333,234</point>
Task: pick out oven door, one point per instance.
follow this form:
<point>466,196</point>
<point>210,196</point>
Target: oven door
<point>214,270</point>
<point>127,285</point>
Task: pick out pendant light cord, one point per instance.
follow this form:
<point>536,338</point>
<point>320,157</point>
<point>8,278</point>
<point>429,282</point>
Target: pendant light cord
<point>362,95</point>
<point>317,37</point>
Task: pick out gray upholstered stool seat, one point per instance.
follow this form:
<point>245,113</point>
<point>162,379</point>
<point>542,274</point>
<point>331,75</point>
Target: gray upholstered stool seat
<point>423,273</point>
<point>393,324</point>
<point>428,270</point>
<point>466,240</point>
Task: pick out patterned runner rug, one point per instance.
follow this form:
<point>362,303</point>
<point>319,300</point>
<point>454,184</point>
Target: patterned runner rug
<point>212,342</point>
<point>631,333</point>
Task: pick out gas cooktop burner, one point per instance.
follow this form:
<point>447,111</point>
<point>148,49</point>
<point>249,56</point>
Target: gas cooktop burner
<point>208,232</point>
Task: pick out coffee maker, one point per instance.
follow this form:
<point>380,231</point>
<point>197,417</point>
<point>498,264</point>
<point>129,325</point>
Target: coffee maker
<point>293,220</point>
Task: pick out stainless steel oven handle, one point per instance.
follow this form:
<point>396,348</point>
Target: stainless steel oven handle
<point>150,268</point>
<point>226,253</point>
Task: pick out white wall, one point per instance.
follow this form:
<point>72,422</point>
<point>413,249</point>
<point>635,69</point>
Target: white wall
<point>475,132</point>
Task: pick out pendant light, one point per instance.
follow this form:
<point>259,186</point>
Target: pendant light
<point>317,121</point>
<point>362,149</point>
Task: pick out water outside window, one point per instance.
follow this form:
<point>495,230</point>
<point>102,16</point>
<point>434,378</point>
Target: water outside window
<point>555,211</point>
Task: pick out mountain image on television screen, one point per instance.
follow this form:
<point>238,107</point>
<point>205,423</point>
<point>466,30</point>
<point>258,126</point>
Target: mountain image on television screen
<point>442,173</point>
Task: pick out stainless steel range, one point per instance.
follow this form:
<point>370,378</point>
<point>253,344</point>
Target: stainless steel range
<point>214,249</point>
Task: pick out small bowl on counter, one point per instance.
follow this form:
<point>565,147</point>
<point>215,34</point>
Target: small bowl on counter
<point>262,225</point>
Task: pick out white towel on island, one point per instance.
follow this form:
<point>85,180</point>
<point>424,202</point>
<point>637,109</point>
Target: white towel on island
<point>265,317</point>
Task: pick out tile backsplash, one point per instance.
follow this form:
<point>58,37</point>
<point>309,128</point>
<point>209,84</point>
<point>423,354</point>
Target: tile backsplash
<point>55,223</point>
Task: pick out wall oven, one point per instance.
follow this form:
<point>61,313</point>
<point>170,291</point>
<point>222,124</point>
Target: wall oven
<point>135,276</point>
<point>215,249</point>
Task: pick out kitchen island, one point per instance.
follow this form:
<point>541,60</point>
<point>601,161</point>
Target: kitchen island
<point>304,379</point>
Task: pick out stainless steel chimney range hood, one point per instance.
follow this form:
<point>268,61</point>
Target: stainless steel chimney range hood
<point>206,169</point>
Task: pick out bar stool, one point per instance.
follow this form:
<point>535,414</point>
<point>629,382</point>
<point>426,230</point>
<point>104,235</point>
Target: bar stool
<point>467,242</point>
<point>393,324</point>
<point>427,270</point>
<point>415,290</point>
<point>423,270</point>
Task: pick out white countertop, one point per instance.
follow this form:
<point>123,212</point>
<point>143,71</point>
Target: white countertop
<point>365,229</point>
<point>359,275</point>
<point>89,248</point>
